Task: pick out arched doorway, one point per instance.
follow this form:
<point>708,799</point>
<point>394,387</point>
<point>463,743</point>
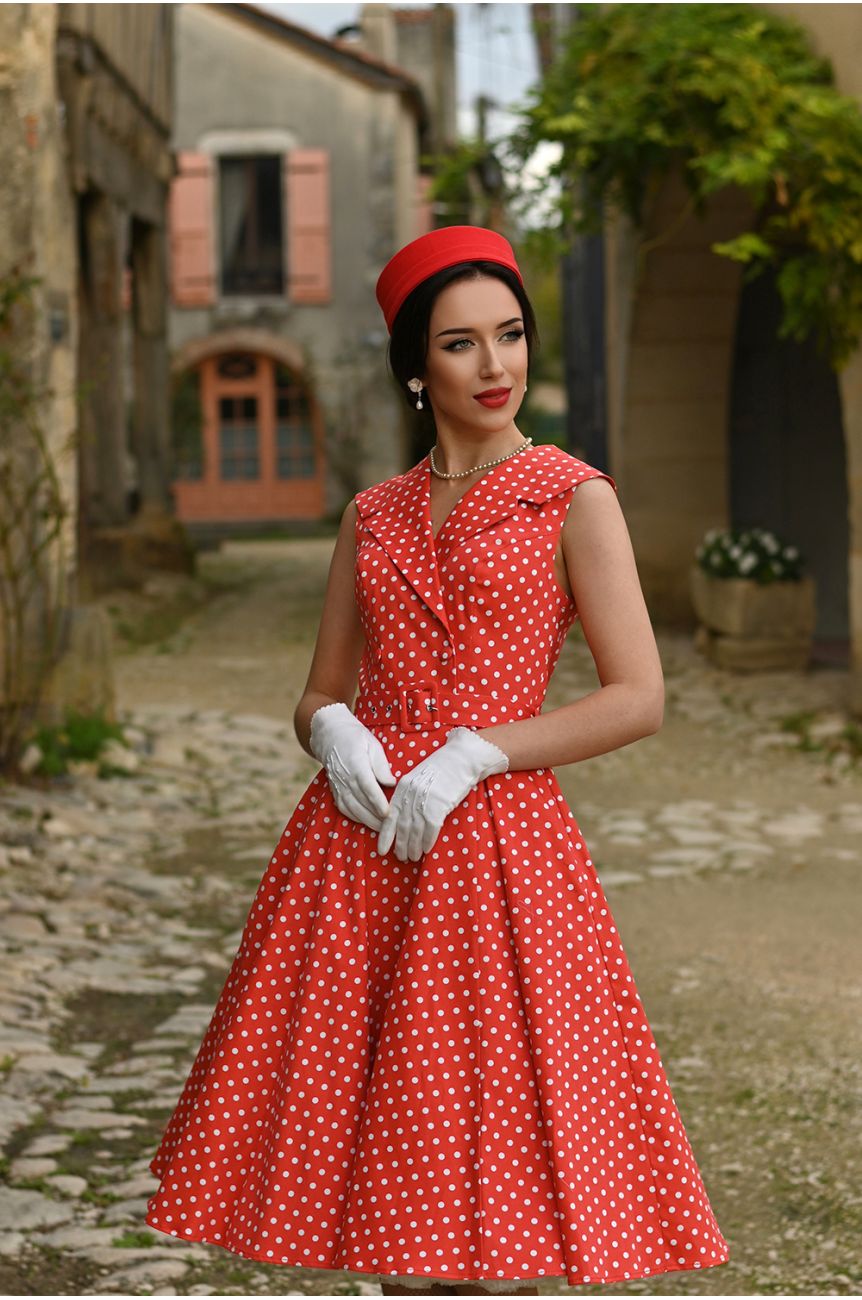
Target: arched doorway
<point>247,441</point>
<point>787,460</point>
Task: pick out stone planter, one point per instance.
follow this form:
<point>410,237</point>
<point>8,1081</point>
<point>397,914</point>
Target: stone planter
<point>747,626</point>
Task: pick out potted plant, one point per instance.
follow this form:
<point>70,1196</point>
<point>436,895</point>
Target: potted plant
<point>755,604</point>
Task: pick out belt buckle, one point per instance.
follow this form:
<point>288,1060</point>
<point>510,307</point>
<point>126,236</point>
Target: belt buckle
<point>417,706</point>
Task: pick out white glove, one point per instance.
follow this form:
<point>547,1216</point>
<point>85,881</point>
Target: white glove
<point>427,794</point>
<point>355,761</point>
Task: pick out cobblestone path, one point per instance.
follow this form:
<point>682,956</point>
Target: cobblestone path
<point>728,843</point>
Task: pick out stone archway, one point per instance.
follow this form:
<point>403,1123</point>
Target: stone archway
<point>694,427</point>
<point>239,339</point>
<point>671,324</point>
<point>670,333</point>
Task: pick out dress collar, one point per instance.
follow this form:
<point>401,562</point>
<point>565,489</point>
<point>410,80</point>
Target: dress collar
<point>397,512</point>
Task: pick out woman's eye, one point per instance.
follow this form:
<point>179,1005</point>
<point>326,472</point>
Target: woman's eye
<point>455,347</point>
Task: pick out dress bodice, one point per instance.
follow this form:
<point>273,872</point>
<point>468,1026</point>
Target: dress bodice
<point>478,608</point>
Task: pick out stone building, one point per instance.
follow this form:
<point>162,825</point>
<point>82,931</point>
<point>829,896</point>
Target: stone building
<point>298,176</point>
<point>713,420</point>
<point>85,145</point>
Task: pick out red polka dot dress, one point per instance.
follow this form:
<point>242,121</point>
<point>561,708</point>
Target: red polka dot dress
<point>441,1069</point>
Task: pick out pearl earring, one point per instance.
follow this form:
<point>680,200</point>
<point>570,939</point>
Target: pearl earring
<point>415,386</point>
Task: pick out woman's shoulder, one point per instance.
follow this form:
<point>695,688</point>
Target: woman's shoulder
<point>371,498</point>
<point>554,471</point>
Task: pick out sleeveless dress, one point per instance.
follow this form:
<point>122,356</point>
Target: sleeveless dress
<point>441,1070</point>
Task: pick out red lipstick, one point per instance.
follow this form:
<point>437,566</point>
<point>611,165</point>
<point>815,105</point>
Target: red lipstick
<point>493,397</point>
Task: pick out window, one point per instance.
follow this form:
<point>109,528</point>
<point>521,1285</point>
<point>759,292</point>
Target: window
<point>250,205</point>
<point>294,432</point>
<point>238,438</point>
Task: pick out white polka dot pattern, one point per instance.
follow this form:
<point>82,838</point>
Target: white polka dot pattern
<point>441,1069</point>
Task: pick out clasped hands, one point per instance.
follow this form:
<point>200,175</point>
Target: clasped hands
<point>356,767</point>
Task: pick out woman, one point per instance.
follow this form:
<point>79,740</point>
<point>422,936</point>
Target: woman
<point>430,1061</point>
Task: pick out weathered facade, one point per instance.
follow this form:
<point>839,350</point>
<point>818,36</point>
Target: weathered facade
<point>298,177</point>
<point>85,143</point>
<point>113,72</point>
<point>715,422</point>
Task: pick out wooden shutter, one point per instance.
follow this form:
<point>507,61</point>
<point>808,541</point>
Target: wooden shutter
<point>191,231</point>
<point>309,231</point>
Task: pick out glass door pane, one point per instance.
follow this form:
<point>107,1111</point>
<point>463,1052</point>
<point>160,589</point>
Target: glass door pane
<point>239,455</point>
<point>294,430</point>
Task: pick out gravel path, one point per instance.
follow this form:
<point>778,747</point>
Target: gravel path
<point>728,844</point>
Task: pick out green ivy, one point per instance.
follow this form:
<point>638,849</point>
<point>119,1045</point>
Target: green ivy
<point>734,96</point>
<point>187,421</point>
<point>451,172</point>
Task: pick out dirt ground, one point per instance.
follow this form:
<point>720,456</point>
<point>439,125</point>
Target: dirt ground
<point>750,977</point>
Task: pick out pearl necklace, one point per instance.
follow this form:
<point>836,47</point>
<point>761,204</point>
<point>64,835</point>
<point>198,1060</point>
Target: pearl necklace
<point>464,472</point>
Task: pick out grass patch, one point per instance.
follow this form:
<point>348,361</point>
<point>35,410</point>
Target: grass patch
<point>135,1239</point>
<point>846,741</point>
<point>118,1020</point>
<point>81,737</point>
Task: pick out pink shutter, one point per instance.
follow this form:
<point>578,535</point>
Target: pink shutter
<point>424,218</point>
<point>309,233</point>
<point>191,230</point>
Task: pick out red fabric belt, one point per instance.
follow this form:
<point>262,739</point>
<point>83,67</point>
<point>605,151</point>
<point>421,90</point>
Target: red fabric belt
<point>423,707</point>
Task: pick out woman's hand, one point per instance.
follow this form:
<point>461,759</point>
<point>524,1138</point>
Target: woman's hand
<point>355,761</point>
<point>426,795</point>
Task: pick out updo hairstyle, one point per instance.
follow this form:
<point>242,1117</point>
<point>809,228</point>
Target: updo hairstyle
<point>408,343</point>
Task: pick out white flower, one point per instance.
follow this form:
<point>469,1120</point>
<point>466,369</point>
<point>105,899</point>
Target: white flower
<point>790,553</point>
<point>748,562</point>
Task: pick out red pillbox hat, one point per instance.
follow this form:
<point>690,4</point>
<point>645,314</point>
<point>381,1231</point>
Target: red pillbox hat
<point>433,252</point>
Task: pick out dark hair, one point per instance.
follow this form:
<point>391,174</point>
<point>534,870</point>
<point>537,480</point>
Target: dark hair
<point>408,344</point>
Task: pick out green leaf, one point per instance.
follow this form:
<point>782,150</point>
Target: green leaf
<point>744,247</point>
<point>735,96</point>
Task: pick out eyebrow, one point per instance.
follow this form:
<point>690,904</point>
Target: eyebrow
<point>469,330</point>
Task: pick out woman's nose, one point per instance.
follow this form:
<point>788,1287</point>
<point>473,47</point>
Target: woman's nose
<point>491,364</point>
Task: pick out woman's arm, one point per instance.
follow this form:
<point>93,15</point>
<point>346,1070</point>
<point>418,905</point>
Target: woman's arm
<point>603,574</point>
<point>340,637</point>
